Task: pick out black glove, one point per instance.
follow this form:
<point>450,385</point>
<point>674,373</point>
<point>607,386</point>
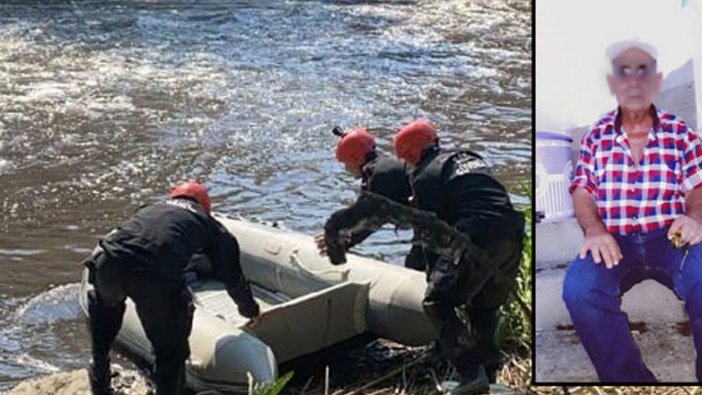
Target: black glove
<point>249,310</point>
<point>416,259</point>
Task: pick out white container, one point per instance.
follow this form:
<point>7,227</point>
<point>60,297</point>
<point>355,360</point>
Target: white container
<point>554,173</point>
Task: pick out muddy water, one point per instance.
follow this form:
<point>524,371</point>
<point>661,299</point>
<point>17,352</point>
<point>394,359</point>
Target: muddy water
<point>104,104</point>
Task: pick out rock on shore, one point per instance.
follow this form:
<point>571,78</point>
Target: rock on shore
<point>124,382</point>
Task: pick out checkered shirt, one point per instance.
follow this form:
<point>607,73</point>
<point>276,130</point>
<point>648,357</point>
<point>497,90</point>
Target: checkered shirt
<point>647,197</point>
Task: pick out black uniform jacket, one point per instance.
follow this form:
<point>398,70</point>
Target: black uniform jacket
<point>457,185</point>
<point>161,238</point>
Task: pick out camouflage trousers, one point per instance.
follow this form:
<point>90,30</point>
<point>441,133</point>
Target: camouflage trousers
<point>452,286</point>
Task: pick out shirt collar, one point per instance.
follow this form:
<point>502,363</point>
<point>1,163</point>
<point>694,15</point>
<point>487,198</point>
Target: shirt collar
<point>618,118</point>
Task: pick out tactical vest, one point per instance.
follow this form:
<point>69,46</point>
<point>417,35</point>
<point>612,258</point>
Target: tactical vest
<point>455,185</point>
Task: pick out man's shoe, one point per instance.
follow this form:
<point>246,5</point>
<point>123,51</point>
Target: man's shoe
<point>447,349</point>
<point>469,385</point>
<point>100,379</point>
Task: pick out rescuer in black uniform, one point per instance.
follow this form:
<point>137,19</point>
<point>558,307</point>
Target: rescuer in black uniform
<point>144,259</point>
<point>379,174</point>
<point>459,189</point>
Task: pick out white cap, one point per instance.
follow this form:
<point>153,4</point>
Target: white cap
<point>617,48</point>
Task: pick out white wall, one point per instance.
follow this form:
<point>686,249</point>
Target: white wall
<point>693,11</point>
<point>571,36</point>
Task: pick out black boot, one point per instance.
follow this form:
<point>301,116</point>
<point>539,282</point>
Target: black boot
<point>454,336</point>
<point>473,381</point>
<point>171,382</point>
<point>100,377</point>
<point>104,322</point>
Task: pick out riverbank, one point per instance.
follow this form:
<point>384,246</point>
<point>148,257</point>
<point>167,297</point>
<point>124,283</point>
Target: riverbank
<point>403,377</point>
<point>124,382</point>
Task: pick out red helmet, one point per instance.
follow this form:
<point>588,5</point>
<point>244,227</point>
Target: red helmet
<point>193,190</point>
<point>354,146</point>
<point>412,139</point>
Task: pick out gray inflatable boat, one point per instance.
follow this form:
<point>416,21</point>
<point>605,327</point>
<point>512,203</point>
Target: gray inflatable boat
<point>307,304</point>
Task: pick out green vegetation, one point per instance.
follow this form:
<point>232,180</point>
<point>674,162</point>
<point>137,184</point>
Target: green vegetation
<point>514,328</point>
<point>270,389</point>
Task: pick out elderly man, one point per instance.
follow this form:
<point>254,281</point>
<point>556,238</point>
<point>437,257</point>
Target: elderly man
<point>637,196</point>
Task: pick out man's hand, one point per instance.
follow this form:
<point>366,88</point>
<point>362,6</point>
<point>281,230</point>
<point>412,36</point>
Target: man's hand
<point>602,246</point>
<point>687,229</point>
<point>321,245</point>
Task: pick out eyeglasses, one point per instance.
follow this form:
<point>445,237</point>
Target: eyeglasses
<point>628,73</point>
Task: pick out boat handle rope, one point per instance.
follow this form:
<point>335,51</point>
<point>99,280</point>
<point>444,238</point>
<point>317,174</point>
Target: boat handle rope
<point>295,260</point>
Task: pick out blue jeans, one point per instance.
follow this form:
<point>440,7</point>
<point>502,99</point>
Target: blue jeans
<point>593,295</point>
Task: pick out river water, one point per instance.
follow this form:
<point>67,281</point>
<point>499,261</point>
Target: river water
<point>103,105</point>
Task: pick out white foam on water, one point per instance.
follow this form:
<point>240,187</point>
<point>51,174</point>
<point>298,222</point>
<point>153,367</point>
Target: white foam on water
<point>5,164</point>
<point>35,364</point>
<point>46,92</point>
<point>114,104</point>
<point>19,252</point>
<point>28,330</point>
<point>57,304</point>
